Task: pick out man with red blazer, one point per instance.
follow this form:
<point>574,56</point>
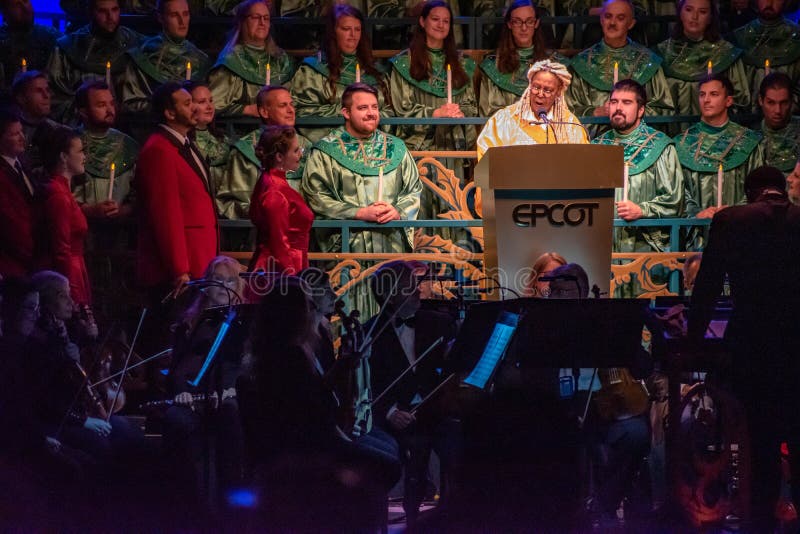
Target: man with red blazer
<point>18,215</point>
<point>177,221</point>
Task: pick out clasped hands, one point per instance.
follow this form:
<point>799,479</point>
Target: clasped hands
<point>380,212</point>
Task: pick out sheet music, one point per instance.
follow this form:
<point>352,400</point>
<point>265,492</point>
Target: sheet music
<point>493,352</point>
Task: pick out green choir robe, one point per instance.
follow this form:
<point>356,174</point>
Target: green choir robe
<point>655,184</point>
<point>216,151</point>
<point>777,41</point>
<point>159,59</point>
<point>686,63</point>
<point>413,98</point>
<point>312,95</point>
<point>243,172</point>
<point>241,72</point>
<point>499,89</point>
<point>82,56</point>
<point>702,148</point>
<point>101,151</point>
<point>782,147</point>
<point>342,175</point>
<point>33,44</point>
<point>594,77</point>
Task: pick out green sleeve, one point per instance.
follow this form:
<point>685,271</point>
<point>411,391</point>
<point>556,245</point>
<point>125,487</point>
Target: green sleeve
<point>404,99</point>
<point>322,188</point>
<point>136,91</point>
<point>312,94</point>
<point>408,198</point>
<point>492,98</point>
<point>666,200</point>
<point>581,97</point>
<point>236,188</point>
<point>659,97</point>
<point>63,80</point>
<point>229,91</point>
<point>741,87</point>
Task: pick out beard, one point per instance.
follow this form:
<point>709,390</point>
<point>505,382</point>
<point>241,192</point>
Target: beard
<point>621,123</point>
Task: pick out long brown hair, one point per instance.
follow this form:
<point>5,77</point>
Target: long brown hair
<point>240,15</point>
<point>507,56</point>
<point>421,61</point>
<point>712,33</point>
<point>333,55</point>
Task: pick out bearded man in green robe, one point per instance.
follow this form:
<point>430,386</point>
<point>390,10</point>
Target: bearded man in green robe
<point>103,146</point>
<point>594,68</point>
<point>780,130</point>
<point>21,39</point>
<point>275,107</point>
<point>359,172</point>
<point>773,39</point>
<point>163,58</point>
<point>655,179</point>
<point>93,52</point>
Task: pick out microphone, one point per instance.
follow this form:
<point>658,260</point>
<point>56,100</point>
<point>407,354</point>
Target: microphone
<point>552,278</point>
<point>198,282</point>
<point>542,114</point>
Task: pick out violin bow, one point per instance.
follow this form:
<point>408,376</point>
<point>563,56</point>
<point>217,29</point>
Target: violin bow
<point>125,366</point>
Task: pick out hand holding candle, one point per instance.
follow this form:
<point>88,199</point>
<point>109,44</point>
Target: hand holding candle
<point>449,85</point>
<point>719,186</point>
<point>111,181</point>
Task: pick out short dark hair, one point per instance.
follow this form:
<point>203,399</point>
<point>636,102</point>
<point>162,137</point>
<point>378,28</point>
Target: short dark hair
<point>764,177</point>
<point>82,94</point>
<point>93,3</point>
<point>721,78</point>
<point>263,93</point>
<point>191,85</point>
<point>775,80</point>
<point>163,100</point>
<point>353,88</point>
<point>7,118</point>
<point>161,5</point>
<point>632,86</point>
<point>23,79</point>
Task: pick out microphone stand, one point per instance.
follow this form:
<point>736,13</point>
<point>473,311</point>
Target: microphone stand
<point>543,118</point>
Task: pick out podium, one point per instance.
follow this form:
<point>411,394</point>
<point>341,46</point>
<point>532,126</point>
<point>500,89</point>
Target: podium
<point>548,198</point>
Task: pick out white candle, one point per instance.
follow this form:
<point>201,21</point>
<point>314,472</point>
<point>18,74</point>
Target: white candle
<point>111,182</point>
<point>269,75</point>
<point>719,186</point>
<point>358,73</point>
<point>24,66</point>
<point>710,69</point>
<point>766,66</point>
<point>108,74</point>
<point>449,85</point>
<point>188,71</point>
<point>616,72</point>
<point>625,172</point>
<point>380,184</point>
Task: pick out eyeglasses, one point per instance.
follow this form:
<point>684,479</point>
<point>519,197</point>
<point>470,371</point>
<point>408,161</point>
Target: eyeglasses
<point>259,18</point>
<point>546,91</point>
<point>517,23</point>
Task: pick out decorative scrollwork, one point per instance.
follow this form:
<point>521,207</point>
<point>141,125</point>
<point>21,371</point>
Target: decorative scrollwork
<point>639,267</point>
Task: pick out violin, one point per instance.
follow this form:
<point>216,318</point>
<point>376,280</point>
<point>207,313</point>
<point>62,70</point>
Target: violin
<point>99,357</point>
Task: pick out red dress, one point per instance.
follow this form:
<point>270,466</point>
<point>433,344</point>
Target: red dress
<point>283,223</point>
<point>67,228</point>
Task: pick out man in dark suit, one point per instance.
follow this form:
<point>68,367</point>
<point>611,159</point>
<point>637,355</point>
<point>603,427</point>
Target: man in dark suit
<point>758,245</point>
<point>403,333</point>
<point>18,216</point>
<point>177,221</point>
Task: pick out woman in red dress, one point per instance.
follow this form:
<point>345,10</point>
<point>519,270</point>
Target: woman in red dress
<point>279,213</point>
<point>63,160</point>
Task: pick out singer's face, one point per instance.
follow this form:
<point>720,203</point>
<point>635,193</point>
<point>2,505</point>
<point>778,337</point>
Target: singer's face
<point>348,34</point>
<point>624,111</point>
<point>545,87</point>
<point>363,115</point>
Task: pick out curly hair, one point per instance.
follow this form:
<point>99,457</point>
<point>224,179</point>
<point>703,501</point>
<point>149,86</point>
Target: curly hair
<point>275,140</point>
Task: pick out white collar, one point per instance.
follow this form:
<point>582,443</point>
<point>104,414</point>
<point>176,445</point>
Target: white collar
<point>181,137</point>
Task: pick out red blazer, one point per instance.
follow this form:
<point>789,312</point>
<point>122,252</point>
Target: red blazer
<point>283,223</point>
<point>67,229</point>
<point>177,221</point>
<point>19,224</point>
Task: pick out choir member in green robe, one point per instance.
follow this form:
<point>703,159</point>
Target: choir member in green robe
<point>346,55</point>
<point>594,68</point>
<point>780,130</point>
<point>504,74</point>
<point>394,37</point>
<point>359,172</point>
<point>21,39</point>
<point>655,179</point>
<point>247,61</point>
<point>31,95</point>
<point>695,42</point>
<point>713,142</point>
<point>275,107</point>
<point>103,145</point>
<point>166,57</point>
<point>770,38</point>
<point>419,83</point>
<point>214,146</point>
<point>93,52</point>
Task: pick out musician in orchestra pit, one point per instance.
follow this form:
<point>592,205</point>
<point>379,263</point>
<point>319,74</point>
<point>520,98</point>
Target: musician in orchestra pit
<point>402,332</point>
<point>543,265</point>
<point>184,424</point>
<point>62,405</point>
<point>757,245</point>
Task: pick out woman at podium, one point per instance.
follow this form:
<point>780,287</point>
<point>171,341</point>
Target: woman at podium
<point>540,116</point>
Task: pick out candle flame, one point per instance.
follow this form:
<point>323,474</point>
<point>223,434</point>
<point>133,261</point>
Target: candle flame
<point>188,64</point>
<point>710,65</point>
<point>24,62</point>
<point>108,64</point>
<point>448,66</point>
<point>113,166</point>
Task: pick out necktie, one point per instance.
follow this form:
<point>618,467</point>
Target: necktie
<point>22,177</point>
